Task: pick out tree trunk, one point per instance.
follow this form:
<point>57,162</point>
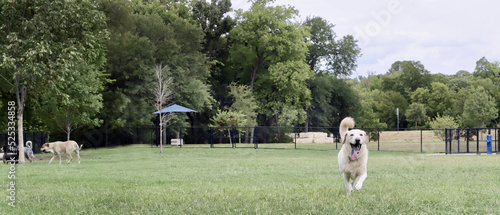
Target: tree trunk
<point>247,135</point>
<point>230,139</point>
<point>306,126</point>
<point>254,74</point>
<point>164,134</point>
<point>68,125</point>
<point>21,98</point>
<point>106,132</point>
<point>20,137</point>
<point>161,133</point>
<point>68,132</point>
<point>260,59</point>
<point>251,135</point>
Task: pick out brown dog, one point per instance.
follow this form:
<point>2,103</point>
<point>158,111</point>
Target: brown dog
<point>62,147</point>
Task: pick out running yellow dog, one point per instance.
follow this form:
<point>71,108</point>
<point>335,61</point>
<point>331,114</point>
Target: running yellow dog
<point>62,147</point>
<point>353,156</point>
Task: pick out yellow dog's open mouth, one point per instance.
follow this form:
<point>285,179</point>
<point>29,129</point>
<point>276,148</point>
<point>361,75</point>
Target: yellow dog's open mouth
<point>355,151</point>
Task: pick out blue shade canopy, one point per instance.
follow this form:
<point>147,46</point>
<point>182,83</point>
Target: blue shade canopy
<point>175,108</point>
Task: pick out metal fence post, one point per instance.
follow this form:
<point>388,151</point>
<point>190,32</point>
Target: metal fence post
<point>295,133</point>
<point>496,140</point>
<point>211,130</point>
<point>450,135</point>
<point>256,141</point>
<point>337,142</point>
<point>477,140</point>
<point>446,141</point>
<point>231,135</point>
<point>421,143</point>
<point>467,136</point>
<point>378,139</point>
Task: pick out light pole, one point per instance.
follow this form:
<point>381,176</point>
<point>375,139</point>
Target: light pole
<point>397,114</point>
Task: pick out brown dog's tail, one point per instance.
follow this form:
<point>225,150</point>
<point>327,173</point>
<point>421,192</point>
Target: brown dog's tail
<point>80,147</point>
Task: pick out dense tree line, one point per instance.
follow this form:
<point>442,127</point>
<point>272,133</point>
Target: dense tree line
<point>431,100</point>
<point>94,66</point>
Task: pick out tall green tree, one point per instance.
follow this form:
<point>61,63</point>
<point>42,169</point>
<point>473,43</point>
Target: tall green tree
<point>416,113</point>
<point>268,52</point>
<point>244,102</point>
<point>154,32</point>
<point>332,99</point>
<point>129,63</point>
<point>126,53</point>
<point>41,41</point>
<point>216,23</point>
<point>461,79</point>
<point>491,88</point>
<point>76,103</point>
<point>406,76</point>
<point>326,52</point>
<point>265,35</point>
<point>437,100</point>
<point>487,69</point>
<point>479,109</point>
<point>286,94</point>
<point>368,90</point>
<point>187,65</point>
<point>228,120</point>
<point>386,104</point>
<point>368,116</point>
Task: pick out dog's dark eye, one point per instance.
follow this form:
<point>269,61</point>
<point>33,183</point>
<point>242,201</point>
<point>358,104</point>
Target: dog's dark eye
<point>361,135</point>
<point>352,135</point>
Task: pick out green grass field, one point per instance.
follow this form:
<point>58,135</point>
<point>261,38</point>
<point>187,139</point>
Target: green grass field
<point>137,179</point>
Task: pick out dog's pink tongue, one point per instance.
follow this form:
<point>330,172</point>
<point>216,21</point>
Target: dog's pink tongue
<point>354,155</point>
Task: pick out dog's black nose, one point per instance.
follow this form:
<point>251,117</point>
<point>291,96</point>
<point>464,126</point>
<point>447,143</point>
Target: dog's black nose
<point>357,140</point>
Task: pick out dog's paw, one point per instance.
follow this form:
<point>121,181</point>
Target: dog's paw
<point>358,186</point>
<point>349,189</point>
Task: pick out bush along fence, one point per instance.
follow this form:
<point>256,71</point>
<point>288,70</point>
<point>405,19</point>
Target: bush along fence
<point>472,140</point>
<point>262,137</point>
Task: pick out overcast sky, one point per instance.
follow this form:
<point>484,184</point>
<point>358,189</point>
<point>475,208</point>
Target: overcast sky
<point>444,35</point>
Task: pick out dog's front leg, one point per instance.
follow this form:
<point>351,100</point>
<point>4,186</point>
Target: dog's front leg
<point>361,179</point>
<point>52,158</point>
<point>348,186</point>
<point>59,154</point>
